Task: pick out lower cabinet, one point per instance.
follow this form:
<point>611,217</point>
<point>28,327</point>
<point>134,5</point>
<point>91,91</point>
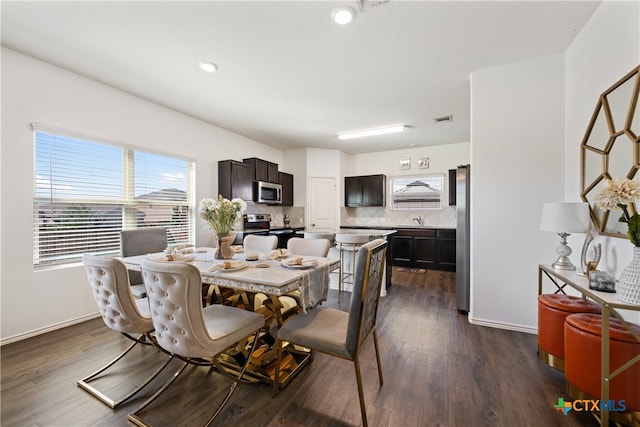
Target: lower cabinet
<point>433,249</point>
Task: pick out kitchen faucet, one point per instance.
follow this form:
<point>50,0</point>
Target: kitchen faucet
<point>419,220</point>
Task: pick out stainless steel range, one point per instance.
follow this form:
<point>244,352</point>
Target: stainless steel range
<point>260,224</point>
<point>257,224</point>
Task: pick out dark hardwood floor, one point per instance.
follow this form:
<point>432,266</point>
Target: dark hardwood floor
<point>439,370</point>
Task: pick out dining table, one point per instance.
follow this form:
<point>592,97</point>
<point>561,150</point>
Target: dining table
<point>275,274</point>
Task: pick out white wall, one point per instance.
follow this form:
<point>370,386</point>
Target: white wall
<point>441,159</point>
<point>604,51</point>
<point>517,164</point>
<point>528,121</point>
<point>295,162</point>
<point>33,91</point>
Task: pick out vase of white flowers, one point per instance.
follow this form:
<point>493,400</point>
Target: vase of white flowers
<point>221,214</point>
<point>620,193</point>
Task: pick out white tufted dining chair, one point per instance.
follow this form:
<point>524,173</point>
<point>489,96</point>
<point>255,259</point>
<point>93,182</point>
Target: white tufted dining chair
<point>260,243</point>
<point>121,312</point>
<point>191,333</point>
<point>338,333</point>
<point>308,247</point>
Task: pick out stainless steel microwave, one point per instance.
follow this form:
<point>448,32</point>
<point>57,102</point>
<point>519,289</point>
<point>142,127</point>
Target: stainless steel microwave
<point>267,192</point>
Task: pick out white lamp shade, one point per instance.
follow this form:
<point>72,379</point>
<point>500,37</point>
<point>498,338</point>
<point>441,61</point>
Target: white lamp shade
<point>565,217</point>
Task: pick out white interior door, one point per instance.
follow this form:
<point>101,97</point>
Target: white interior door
<point>323,203</point>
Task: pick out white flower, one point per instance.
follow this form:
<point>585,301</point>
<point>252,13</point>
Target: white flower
<point>221,214</point>
<point>617,192</point>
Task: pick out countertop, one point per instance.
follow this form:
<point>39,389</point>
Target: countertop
<point>373,232</point>
<point>399,227</point>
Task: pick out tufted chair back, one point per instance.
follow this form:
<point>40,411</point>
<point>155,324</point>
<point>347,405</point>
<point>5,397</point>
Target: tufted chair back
<point>110,283</point>
<point>308,247</point>
<point>174,290</point>
<point>260,243</point>
<point>370,265</point>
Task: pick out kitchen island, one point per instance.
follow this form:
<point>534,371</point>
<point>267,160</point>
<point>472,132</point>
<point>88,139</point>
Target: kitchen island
<point>372,233</point>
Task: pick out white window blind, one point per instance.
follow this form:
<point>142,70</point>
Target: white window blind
<point>86,192</point>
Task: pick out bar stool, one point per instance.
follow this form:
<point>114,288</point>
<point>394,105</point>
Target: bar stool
<point>320,235</point>
<point>552,311</point>
<point>348,245</point>
<point>582,334</point>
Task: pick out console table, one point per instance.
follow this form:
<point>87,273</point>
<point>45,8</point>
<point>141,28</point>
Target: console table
<point>610,305</point>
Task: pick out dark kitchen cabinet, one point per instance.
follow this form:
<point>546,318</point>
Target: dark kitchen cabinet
<point>433,249</point>
<point>425,249</point>
<point>402,249</point>
<point>264,170</point>
<point>452,187</point>
<point>235,179</point>
<point>447,249</point>
<point>368,190</point>
<point>286,180</point>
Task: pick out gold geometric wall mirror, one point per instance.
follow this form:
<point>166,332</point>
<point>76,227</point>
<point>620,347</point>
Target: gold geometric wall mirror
<point>611,148</point>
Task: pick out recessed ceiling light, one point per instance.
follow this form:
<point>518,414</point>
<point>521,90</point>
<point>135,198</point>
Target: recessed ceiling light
<point>372,132</point>
<point>343,15</point>
<point>208,66</point>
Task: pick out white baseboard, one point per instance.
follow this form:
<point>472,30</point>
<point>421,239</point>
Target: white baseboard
<point>44,330</point>
<point>502,325</point>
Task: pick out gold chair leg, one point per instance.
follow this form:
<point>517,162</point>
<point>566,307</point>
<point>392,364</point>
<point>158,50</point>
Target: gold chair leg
<point>235,383</point>
<point>113,404</point>
<point>363,409</point>
<point>375,343</point>
<point>276,378</point>
<point>134,416</point>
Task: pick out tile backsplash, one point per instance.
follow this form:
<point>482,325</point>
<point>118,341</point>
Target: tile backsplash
<point>362,217</point>
<point>385,217</point>
<point>296,214</point>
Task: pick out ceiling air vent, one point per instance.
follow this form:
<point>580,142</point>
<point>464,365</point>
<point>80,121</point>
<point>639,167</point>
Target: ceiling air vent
<point>366,4</point>
<point>443,119</point>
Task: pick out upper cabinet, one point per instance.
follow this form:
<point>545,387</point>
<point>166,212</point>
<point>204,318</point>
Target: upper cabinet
<point>452,187</point>
<point>286,180</point>
<point>368,190</point>
<point>235,179</point>
<point>264,170</point>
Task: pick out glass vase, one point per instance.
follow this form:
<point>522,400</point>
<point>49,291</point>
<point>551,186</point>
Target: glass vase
<point>628,288</point>
<point>225,249</point>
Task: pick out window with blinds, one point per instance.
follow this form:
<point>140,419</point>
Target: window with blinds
<point>86,192</point>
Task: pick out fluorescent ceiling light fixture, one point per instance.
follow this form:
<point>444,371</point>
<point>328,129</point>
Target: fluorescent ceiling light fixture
<point>343,15</point>
<point>372,132</point>
<point>208,66</point>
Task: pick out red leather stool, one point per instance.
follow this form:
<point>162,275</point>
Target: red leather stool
<point>582,363</point>
<point>552,310</point>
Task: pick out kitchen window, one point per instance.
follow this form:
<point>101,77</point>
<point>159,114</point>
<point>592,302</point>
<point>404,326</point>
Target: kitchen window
<point>417,192</point>
<point>86,192</point>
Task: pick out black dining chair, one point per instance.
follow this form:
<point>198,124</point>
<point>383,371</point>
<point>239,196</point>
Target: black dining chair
<point>141,241</point>
<point>338,333</point>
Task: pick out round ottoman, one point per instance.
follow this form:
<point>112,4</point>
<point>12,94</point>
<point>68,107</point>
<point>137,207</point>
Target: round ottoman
<point>552,310</point>
<point>582,360</point>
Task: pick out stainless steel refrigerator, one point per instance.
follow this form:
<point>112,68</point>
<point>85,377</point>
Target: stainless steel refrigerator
<point>463,249</point>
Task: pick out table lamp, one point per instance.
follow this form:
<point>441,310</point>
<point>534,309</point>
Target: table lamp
<point>564,219</point>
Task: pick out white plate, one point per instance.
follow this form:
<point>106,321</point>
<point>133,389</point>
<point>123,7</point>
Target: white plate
<point>175,257</point>
<point>305,264</point>
<point>235,266</point>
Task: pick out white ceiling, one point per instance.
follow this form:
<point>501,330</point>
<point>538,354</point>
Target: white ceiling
<point>288,76</point>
